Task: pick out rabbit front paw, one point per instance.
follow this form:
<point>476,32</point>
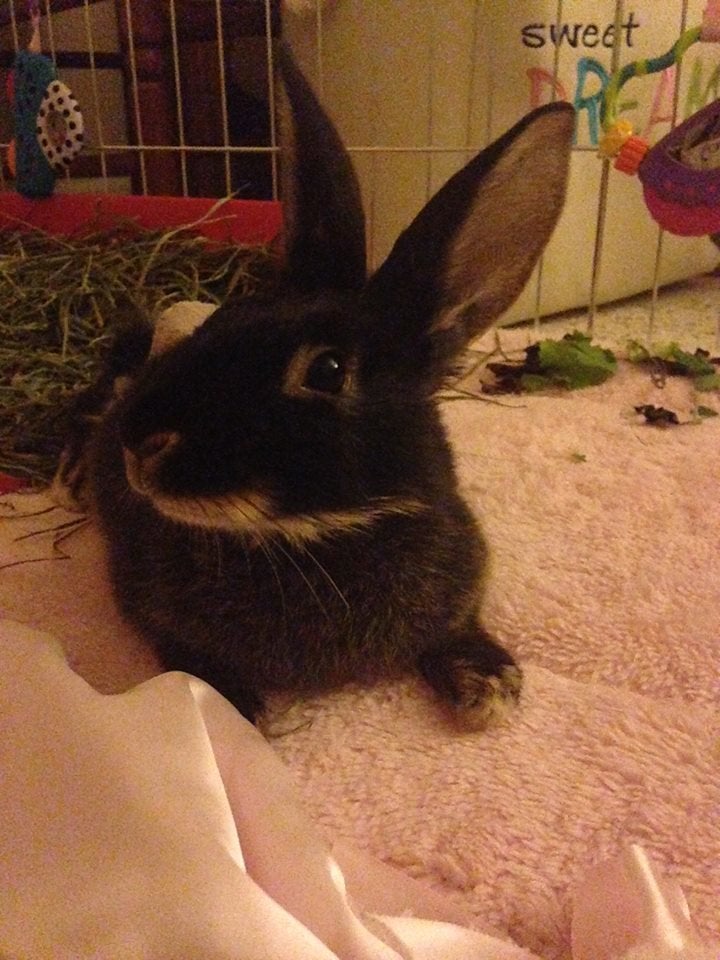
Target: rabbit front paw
<point>476,678</point>
<point>485,701</point>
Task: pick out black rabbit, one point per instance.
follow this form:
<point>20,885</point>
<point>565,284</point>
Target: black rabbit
<point>276,489</point>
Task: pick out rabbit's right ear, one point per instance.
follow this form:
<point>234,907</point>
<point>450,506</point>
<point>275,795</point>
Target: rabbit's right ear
<point>324,223</point>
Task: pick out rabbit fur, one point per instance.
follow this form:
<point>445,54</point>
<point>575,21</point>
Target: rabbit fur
<point>275,487</point>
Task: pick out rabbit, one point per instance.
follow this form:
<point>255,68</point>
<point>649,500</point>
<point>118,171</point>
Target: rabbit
<point>274,484</point>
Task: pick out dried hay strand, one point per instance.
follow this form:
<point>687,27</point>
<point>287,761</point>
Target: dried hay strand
<point>62,298</point>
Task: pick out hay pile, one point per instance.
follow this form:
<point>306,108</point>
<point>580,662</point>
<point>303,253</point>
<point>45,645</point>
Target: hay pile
<point>60,301</point>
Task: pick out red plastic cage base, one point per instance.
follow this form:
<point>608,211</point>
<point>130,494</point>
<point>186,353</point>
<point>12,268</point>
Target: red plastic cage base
<point>241,221</point>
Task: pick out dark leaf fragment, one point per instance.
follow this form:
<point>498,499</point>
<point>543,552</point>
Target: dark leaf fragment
<point>657,416</point>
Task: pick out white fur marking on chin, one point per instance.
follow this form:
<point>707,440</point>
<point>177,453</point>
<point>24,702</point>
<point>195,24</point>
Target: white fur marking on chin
<point>233,513</point>
<point>256,514</point>
<point>316,526</point>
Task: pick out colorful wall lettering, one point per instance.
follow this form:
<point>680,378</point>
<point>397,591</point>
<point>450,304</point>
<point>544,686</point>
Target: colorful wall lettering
<point>585,90</point>
<point>576,35</point>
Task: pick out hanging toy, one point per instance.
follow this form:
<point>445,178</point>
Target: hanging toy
<point>681,173</point>
<point>49,128</point>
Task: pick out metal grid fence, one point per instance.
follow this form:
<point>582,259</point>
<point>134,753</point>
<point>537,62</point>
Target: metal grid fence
<point>162,83</point>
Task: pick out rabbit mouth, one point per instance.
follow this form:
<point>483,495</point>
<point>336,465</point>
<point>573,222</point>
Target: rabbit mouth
<point>256,514</point>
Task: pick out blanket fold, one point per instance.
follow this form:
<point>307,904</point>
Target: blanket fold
<point>159,824</point>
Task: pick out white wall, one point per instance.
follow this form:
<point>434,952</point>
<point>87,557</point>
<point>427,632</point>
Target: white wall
<point>456,73</point>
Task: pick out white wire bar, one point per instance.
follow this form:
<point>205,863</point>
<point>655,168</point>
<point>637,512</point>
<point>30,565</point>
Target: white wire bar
<point>604,185</point>
<point>135,89</point>
<point>95,92</point>
<point>661,233</point>
<point>272,99</point>
<point>540,270</point>
<point>223,93</point>
<point>180,116</point>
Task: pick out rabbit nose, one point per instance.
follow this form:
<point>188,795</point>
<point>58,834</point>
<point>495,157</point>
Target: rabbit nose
<point>143,459</point>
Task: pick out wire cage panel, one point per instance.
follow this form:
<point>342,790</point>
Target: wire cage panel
<point>179,99</point>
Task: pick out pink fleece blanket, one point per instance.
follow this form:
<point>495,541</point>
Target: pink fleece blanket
<point>605,583</point>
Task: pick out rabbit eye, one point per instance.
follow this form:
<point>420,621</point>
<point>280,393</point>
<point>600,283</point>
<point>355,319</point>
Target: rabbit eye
<point>326,373</point>
<point>318,369</point>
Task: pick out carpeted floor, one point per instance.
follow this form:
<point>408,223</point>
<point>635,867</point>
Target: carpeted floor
<point>688,311</point>
<point>604,534</point>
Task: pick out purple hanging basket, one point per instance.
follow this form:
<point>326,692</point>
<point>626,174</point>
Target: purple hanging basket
<point>681,198</point>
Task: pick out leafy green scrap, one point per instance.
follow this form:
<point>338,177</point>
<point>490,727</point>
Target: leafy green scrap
<point>570,364</point>
<point>672,360</point>
<point>707,382</point>
<point>662,417</point>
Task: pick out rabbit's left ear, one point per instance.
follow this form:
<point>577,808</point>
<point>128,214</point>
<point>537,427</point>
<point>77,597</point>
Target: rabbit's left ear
<point>324,223</point>
<point>469,252</point>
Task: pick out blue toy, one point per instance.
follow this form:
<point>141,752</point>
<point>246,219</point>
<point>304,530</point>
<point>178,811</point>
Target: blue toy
<point>49,127</point>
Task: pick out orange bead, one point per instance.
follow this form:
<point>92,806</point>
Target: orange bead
<point>632,153</point>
